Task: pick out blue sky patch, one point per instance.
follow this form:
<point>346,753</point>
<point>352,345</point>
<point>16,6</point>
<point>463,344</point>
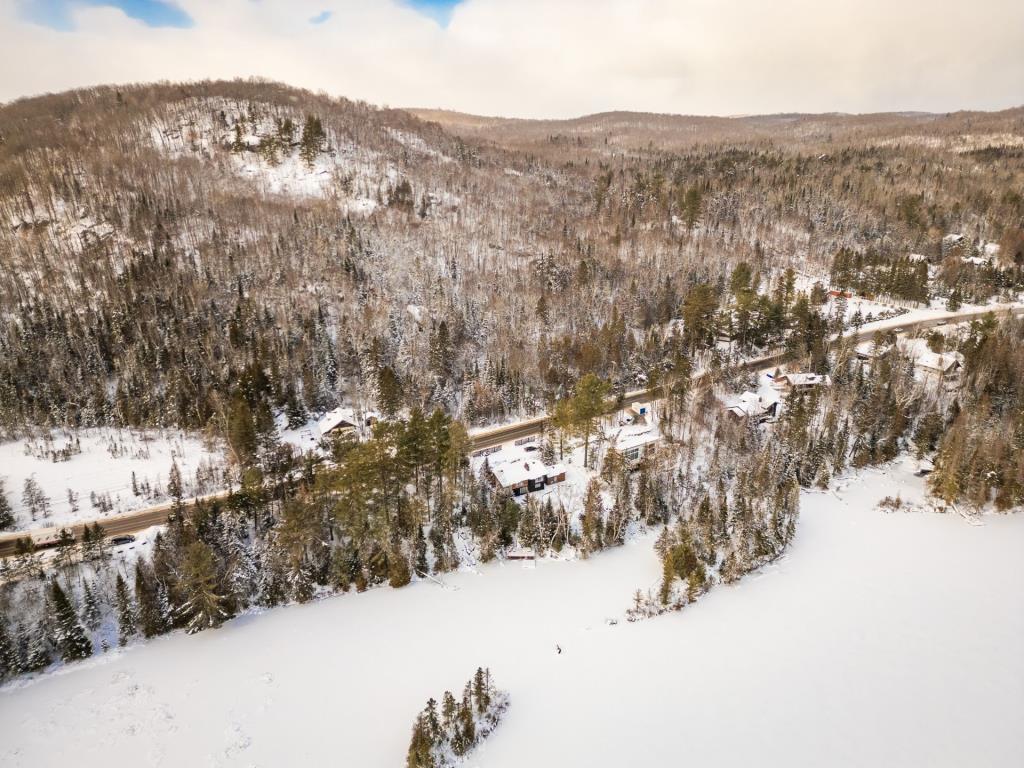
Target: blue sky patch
<point>57,13</point>
<point>439,10</point>
<point>321,17</point>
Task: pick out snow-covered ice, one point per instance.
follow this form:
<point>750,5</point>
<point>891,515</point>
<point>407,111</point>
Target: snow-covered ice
<point>882,638</point>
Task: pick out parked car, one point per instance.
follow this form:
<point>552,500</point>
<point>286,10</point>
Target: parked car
<point>125,539</point>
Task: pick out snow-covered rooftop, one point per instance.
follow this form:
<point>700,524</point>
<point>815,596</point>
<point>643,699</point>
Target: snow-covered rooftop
<point>343,417</point>
<point>518,464</point>
<point>804,380</point>
<point>935,361</point>
<point>512,473</point>
<point>635,436</point>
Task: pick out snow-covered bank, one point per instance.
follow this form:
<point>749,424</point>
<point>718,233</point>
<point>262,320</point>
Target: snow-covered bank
<point>880,639</point>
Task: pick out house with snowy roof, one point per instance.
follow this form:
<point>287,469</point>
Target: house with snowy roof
<point>635,442</point>
<point>788,383</point>
<point>755,406</point>
<point>939,366</point>
<point>520,471</point>
<point>344,419</point>
<point>932,367</point>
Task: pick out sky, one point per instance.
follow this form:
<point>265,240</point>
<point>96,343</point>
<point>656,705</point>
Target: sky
<point>540,58</point>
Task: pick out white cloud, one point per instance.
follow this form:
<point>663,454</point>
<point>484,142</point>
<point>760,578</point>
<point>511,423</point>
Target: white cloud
<point>537,58</point>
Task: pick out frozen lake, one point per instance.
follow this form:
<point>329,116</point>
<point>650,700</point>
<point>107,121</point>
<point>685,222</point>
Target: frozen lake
<point>881,639</point>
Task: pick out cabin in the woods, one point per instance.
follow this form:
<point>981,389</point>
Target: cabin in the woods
<point>939,366</point>
<point>753,406</point>
<point>344,419</point>
<point>521,471</point>
<point>788,383</point>
<point>635,442</point>
<point>871,350</point>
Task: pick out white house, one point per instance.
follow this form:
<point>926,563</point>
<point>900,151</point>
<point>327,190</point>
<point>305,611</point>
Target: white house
<point>788,383</point>
<point>759,406</point>
<point>939,366</point>
<point>636,442</point>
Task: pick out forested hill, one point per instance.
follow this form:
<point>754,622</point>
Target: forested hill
<point>201,253</point>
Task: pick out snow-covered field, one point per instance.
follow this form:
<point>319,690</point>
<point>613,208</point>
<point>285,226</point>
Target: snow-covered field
<point>882,639</point>
<point>103,470</point>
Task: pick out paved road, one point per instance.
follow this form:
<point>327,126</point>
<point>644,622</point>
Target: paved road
<point>131,522</point>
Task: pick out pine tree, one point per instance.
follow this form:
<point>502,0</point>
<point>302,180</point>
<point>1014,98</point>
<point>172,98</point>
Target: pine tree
<point>421,746</point>
<point>69,635</point>
<point>65,548</point>
<point>422,566</point>
<point>241,432</point>
<point>10,664</point>
<point>174,485</point>
<point>91,613</point>
<point>126,628</point>
<point>203,604</point>
<point>34,499</point>
<point>36,649</point>
<point>399,573</point>
<point>591,521</point>
<point>389,389</point>
<point>152,619</point>
<point>482,689</point>
<point>72,502</point>
<point>587,403</point>
<point>449,714</point>
<point>6,512</point>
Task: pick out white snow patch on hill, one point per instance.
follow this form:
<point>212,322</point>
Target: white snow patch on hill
<point>205,129</point>
<point>104,467</point>
<point>880,639</point>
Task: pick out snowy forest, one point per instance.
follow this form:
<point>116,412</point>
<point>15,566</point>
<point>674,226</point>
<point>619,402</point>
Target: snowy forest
<point>222,256</point>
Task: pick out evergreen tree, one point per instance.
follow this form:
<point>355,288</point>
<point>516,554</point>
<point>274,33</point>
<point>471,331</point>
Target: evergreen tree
<point>10,663</point>
<point>399,573</point>
<point>203,604</point>
<point>587,403</point>
<point>37,503</point>
<point>36,649</point>
<point>91,613</point>
<point>422,566</point>
<point>65,548</point>
<point>152,618</point>
<point>6,512</point>
<point>69,635</point>
<point>174,484</point>
<point>389,390</point>
<point>591,520</point>
<point>421,746</point>
<point>126,625</point>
